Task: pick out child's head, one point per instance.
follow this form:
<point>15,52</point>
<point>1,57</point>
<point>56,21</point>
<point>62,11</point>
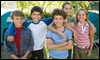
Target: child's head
<point>17,17</point>
<point>81,15</point>
<point>67,7</point>
<point>36,13</point>
<point>58,17</point>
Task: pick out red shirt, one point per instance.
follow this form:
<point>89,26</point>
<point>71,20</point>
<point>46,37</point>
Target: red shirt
<point>17,38</point>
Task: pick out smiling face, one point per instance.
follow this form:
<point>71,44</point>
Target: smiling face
<point>36,15</point>
<point>68,9</point>
<point>58,20</point>
<point>18,18</point>
<point>82,16</point>
<point>18,21</point>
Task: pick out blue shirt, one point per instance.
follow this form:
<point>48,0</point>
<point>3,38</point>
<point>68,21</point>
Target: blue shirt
<point>61,54</point>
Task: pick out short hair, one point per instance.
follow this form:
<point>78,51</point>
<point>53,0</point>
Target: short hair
<point>37,9</point>
<point>69,3</point>
<point>17,13</point>
<point>58,12</point>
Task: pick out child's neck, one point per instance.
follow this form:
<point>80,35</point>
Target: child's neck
<point>35,21</point>
<point>83,23</point>
<point>18,27</point>
<point>60,28</point>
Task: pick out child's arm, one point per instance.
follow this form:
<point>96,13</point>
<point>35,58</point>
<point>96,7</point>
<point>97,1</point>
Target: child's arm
<point>11,30</point>
<point>26,55</point>
<point>47,21</point>
<point>91,33</point>
<point>26,23</point>
<point>91,38</point>
<point>11,50</point>
<point>54,30</point>
<point>68,46</point>
<point>61,46</point>
<point>10,38</point>
<point>70,26</point>
<point>51,45</point>
<point>92,26</point>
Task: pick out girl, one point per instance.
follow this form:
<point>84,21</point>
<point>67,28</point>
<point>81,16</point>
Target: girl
<point>83,35</point>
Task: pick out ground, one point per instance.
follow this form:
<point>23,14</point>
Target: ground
<point>94,55</point>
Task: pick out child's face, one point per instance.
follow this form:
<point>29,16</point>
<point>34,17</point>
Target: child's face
<point>36,15</point>
<point>81,16</point>
<point>18,21</point>
<point>68,9</point>
<point>58,20</point>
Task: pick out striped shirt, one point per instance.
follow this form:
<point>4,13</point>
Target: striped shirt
<point>83,35</point>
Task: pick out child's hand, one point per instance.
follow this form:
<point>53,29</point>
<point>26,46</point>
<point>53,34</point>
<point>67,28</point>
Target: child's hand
<point>10,38</point>
<point>15,58</point>
<point>89,50</point>
<point>89,53</point>
<point>23,57</point>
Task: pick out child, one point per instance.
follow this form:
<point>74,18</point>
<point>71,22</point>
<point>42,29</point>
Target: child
<point>83,39</point>
<point>58,48</point>
<point>68,9</point>
<point>38,26</point>
<point>20,45</point>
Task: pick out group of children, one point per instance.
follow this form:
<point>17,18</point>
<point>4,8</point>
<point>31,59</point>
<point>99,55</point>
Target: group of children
<point>26,37</point>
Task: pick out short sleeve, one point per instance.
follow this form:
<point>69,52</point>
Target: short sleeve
<point>49,34</point>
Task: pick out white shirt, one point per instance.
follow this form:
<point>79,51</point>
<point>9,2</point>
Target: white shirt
<point>39,32</point>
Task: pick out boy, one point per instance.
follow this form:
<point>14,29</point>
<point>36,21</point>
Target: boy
<point>38,27</point>
<point>58,48</point>
<point>20,45</point>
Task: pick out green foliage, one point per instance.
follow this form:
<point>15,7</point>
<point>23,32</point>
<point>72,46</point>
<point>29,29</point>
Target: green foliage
<point>48,6</point>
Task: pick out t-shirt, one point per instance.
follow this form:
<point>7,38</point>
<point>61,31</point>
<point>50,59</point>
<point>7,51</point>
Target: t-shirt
<point>39,31</point>
<point>18,38</point>
<point>57,39</point>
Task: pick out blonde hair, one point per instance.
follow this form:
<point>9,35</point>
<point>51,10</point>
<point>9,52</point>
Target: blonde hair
<point>85,13</point>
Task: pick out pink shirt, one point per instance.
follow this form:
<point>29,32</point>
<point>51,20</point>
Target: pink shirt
<point>83,35</point>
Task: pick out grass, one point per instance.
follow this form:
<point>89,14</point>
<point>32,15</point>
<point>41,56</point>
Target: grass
<point>94,55</point>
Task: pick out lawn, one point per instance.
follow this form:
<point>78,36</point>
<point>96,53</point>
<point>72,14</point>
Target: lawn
<point>94,55</point>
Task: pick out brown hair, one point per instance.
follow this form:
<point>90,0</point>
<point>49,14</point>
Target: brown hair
<point>58,12</point>
<point>17,13</point>
<point>69,3</point>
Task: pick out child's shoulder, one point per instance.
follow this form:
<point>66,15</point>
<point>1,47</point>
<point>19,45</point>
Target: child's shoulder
<point>68,30</point>
<point>27,20</point>
<point>26,30</point>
